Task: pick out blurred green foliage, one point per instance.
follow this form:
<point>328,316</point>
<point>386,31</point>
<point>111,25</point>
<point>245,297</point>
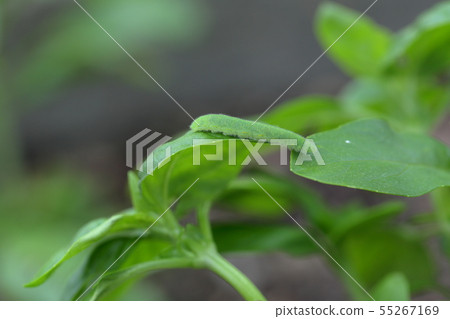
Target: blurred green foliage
<point>402,78</point>
<point>41,208</point>
<point>37,215</point>
<point>70,45</point>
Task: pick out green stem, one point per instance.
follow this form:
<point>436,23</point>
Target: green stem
<point>216,263</point>
<point>233,276</point>
<point>203,221</point>
<point>440,204</point>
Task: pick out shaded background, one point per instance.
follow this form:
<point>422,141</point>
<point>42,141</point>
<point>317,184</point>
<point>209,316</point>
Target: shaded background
<point>70,98</point>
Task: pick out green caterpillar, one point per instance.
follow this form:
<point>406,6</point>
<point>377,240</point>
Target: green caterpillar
<point>244,129</point>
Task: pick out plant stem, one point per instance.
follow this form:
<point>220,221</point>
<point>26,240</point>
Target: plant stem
<point>216,263</point>
<point>233,276</point>
<point>203,221</point>
<point>438,197</point>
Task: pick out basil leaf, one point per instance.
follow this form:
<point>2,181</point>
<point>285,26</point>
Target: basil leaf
<point>360,51</point>
<point>108,253</point>
<point>262,238</point>
<point>307,115</point>
<point>170,169</point>
<point>115,278</point>
<point>140,204</point>
<point>424,45</point>
<point>372,252</point>
<point>419,104</point>
<point>91,234</point>
<point>165,183</point>
<point>367,154</point>
<point>102,257</point>
<point>246,197</point>
<point>393,287</point>
<point>352,218</point>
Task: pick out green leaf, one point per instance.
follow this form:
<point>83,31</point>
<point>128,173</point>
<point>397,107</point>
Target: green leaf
<point>246,197</point>
<point>360,51</point>
<point>102,257</point>
<point>110,255</point>
<point>307,114</point>
<point>352,218</point>
<point>170,169</point>
<point>371,253</point>
<point>165,183</point>
<point>262,238</point>
<point>91,234</point>
<point>424,46</point>
<point>393,287</point>
<point>367,154</point>
<point>419,104</point>
<point>113,279</point>
<point>140,204</point>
